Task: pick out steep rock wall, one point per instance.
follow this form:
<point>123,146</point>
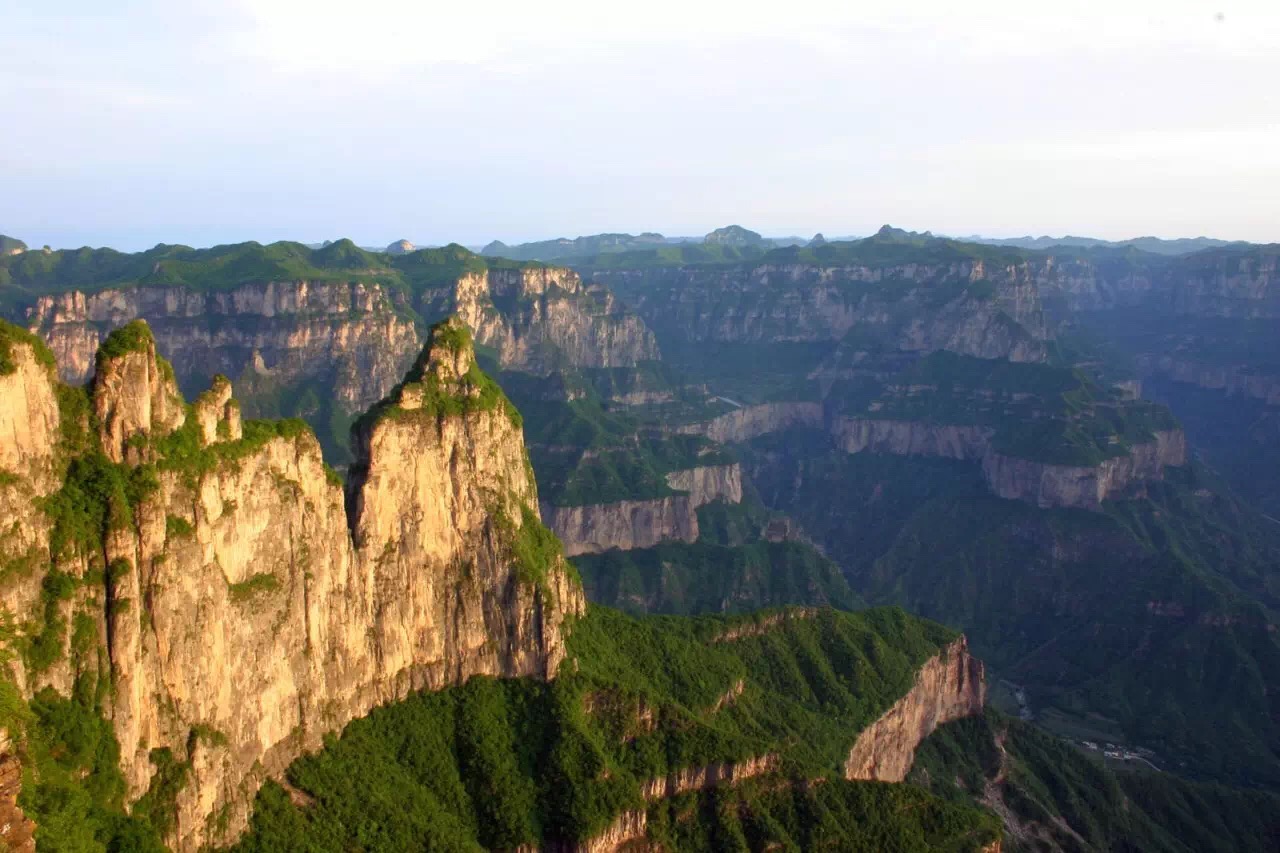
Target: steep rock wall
<point>749,422</point>
<point>252,607</point>
<point>910,438</point>
<point>1083,487</point>
<point>810,302</point>
<point>354,335</point>
<point>593,528</point>
<point>29,420</point>
<point>1233,380</point>
<point>708,776</point>
<point>541,318</point>
<point>949,686</point>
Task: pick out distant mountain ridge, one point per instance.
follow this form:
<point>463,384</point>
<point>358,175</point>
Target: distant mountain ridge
<point>1155,245</point>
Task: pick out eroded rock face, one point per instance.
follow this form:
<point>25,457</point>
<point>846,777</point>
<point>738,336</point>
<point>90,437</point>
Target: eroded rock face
<point>253,607</point>
<point>17,832</point>
<point>949,686</point>
<point>593,528</point>
<point>748,422</point>
<point>1083,487</point>
<point>352,335</point>
<point>540,318</point>
<point>1233,380</point>
<point>811,302</point>
<point>135,397</point>
<point>29,420</point>
<point>910,438</point>
<point>708,776</point>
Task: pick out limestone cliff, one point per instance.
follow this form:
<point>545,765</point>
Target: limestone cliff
<point>248,606</point>
<point>748,422</point>
<point>967,306</point>
<point>1083,487</point>
<point>631,524</point>
<point>135,395</point>
<point>910,438</point>
<point>708,776</point>
<point>949,686</point>
<point>29,418</point>
<point>1233,380</point>
<point>327,350</point>
<point>540,318</point>
<point>355,336</point>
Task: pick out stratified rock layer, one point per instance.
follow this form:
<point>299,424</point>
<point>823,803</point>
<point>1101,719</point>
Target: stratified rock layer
<point>624,525</point>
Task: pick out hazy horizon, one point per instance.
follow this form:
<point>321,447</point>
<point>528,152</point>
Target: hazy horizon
<point>216,122</point>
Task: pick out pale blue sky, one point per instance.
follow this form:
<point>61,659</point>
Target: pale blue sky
<point>206,122</point>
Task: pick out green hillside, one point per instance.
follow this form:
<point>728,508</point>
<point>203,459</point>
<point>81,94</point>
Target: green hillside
<point>496,764</point>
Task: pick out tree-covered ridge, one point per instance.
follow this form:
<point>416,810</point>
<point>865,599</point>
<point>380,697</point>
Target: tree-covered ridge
<point>10,336</point>
<point>11,245</point>
<point>745,558</point>
<point>32,274</point>
<point>497,764</point>
<point>1059,796</point>
<point>1152,618</point>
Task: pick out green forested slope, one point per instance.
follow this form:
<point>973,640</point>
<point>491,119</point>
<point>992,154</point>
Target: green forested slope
<point>496,764</point>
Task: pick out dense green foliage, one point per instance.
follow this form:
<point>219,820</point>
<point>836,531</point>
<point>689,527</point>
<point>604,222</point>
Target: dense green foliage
<point>130,338</point>
<point>11,335</point>
<point>1060,793</point>
<point>859,817</point>
<point>220,268</point>
<point>1082,608</point>
<point>496,764</point>
<point>437,397</point>
<point>1041,412</point>
<point>73,788</point>
<point>731,568</point>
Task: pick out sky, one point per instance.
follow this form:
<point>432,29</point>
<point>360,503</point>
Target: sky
<point>132,123</point>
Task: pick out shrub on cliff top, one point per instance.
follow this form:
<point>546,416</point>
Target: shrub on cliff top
<point>10,336</point>
<point>474,391</point>
<point>131,337</point>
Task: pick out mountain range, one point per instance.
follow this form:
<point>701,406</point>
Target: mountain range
<point>339,600</point>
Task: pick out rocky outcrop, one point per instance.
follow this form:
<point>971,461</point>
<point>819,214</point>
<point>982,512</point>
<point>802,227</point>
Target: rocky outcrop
<point>29,419</point>
<point>748,422</point>
<point>354,337</point>
<point>251,606</point>
<point>708,776</point>
<point>950,685</point>
<point>627,832</point>
<point>135,396</point>
<point>542,318</point>
<point>349,342</point>
<point>1084,487</point>
<point>624,525</point>
<point>910,438</point>
<point>709,483</point>
<point>1233,380</point>
<point>1041,483</point>
<point>217,413</point>
<point>17,832</point>
<point>910,306</point>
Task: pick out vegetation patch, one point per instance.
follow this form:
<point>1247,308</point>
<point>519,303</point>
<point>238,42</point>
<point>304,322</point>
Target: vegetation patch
<point>496,764</point>
<point>255,585</point>
<point>11,336</point>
